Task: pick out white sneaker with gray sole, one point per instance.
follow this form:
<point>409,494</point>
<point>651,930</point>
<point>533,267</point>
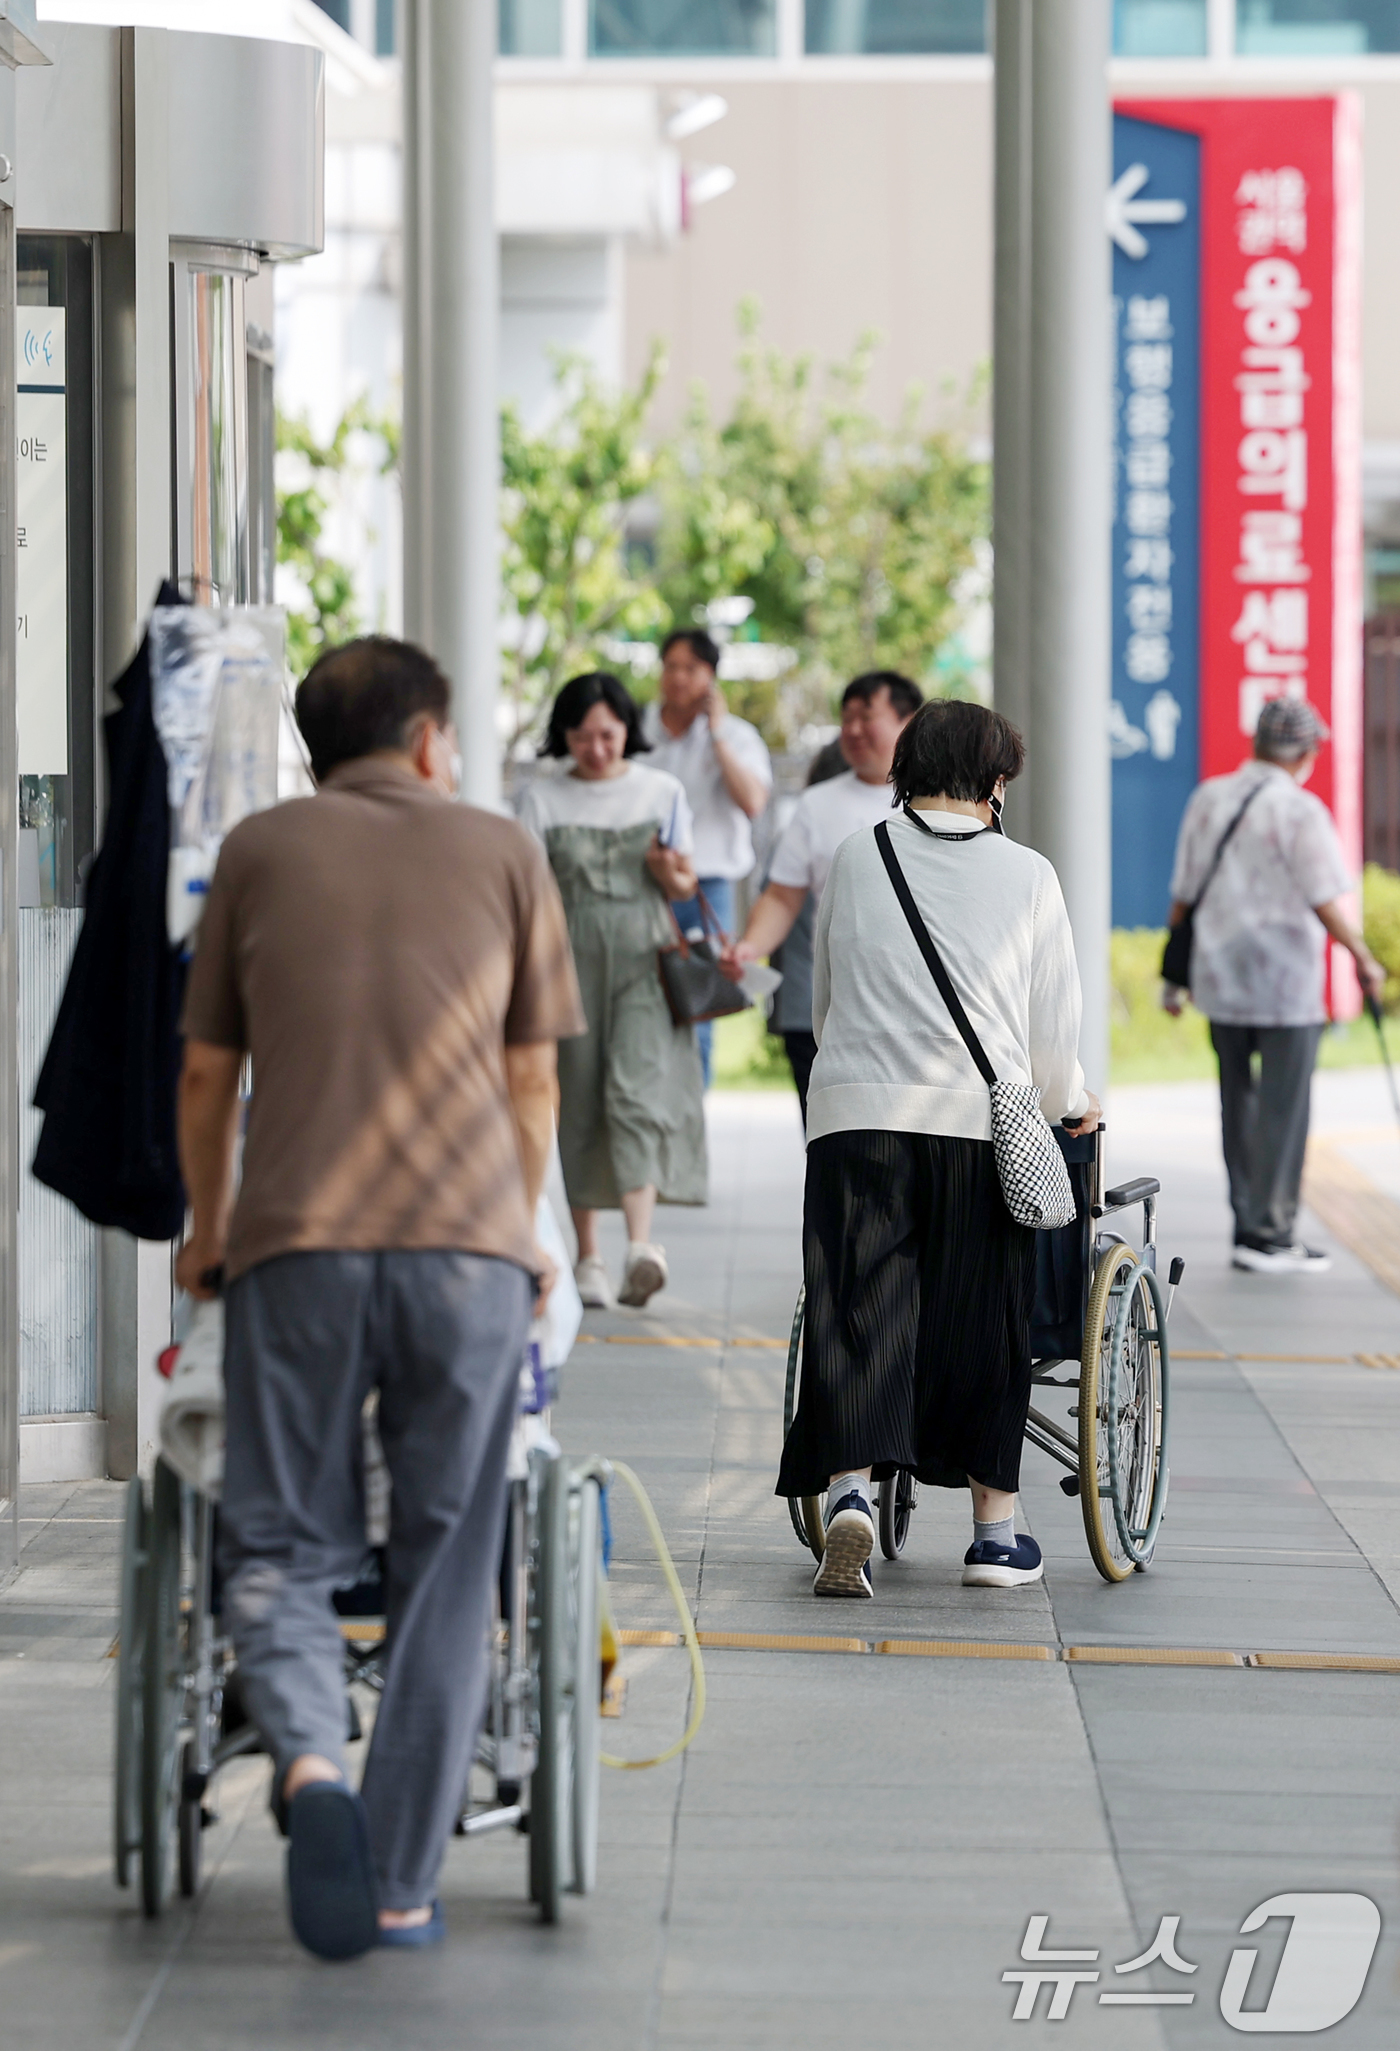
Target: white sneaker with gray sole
<point>594,1289</point>
<point>644,1273</point>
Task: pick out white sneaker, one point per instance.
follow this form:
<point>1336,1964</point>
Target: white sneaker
<point>1282,1260</point>
<point>644,1272</point>
<point>594,1288</point>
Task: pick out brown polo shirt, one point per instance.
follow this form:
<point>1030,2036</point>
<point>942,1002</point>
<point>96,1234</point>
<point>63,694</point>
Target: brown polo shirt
<point>375,949</point>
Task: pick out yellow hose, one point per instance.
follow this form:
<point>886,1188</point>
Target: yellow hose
<point>692,1643</point>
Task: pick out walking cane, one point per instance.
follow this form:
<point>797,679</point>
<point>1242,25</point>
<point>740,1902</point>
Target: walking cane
<point>1373,1006</point>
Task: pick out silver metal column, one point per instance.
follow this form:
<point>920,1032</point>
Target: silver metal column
<point>412,455</point>
<point>1070,387</point>
<point>1011,395</point>
<point>452,283</point>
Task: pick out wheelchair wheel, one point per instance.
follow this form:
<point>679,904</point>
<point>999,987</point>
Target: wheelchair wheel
<point>805,1511</point>
<point>794,1361</point>
<point>585,1566</point>
<point>131,1626</point>
<point>190,1826</point>
<point>551,1791</point>
<point>163,1694</point>
<point>898,1496</point>
<point>1123,1414</point>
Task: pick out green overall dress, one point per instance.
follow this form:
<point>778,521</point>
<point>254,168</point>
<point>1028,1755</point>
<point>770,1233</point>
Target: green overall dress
<point>631,1096</point>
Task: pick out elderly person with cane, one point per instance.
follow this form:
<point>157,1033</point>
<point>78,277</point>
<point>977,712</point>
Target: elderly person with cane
<point>919,1281</point>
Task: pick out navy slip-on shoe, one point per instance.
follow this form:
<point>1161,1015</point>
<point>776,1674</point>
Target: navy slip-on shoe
<point>989,1565</point>
<point>850,1540</point>
<point>414,1936</point>
<point>331,1893</point>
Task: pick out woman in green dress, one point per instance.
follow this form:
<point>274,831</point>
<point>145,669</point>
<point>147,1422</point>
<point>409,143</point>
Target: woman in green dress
<point>631,1116</point>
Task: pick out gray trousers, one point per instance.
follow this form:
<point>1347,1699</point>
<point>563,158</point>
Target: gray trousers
<point>1264,1124</point>
<point>309,1335</point>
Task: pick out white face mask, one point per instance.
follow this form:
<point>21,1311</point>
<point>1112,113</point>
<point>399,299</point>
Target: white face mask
<point>455,760</point>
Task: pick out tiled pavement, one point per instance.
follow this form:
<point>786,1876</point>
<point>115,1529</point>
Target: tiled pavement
<point>854,1844</point>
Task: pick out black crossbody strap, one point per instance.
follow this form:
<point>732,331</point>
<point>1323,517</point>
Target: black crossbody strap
<point>931,955</point>
<point>1222,844</point>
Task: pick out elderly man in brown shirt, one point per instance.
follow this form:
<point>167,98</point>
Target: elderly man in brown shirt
<point>398,968</point>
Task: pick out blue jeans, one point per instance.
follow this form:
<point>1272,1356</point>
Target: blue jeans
<point>719,890</point>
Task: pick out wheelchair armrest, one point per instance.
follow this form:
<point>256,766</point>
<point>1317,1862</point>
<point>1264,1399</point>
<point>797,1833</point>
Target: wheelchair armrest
<point>1134,1192</point>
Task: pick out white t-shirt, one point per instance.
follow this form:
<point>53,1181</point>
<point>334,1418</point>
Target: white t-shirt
<point>889,1057</point>
<point>640,794</point>
<point>723,832</point>
<point>1257,944</point>
<point>826,815</point>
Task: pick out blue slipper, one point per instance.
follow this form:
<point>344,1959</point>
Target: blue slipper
<point>413,1936</point>
<point>330,1874</point>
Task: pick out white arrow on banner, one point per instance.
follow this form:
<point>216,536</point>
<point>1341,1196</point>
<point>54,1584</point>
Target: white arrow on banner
<point>1122,209</point>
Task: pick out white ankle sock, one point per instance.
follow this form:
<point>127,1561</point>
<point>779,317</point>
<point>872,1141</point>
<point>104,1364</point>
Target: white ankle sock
<point>842,1484</point>
<point>1001,1533</point>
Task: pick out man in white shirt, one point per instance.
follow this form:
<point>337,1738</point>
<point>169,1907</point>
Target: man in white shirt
<point>875,709</point>
<point>1259,938</point>
<point>723,765</point>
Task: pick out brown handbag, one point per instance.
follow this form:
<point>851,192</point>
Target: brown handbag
<point>695,985</point>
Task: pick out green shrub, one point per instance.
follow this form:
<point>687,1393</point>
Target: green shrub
<point>1380,897</point>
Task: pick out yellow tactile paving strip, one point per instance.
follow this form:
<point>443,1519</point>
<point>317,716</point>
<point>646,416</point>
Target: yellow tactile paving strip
<point>1363,1217</point>
<point>1070,1655</point>
<point>1151,1655</point>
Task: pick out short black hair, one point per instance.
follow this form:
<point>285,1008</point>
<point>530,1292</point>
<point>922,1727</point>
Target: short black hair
<point>905,695</point>
<point>701,646</point>
<point>953,748</point>
<point>364,696</point>
<point>576,701</point>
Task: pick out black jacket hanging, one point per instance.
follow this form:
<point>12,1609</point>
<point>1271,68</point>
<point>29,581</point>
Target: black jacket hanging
<point>107,1087</point>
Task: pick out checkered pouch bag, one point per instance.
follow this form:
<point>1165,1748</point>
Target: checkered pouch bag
<point>1034,1179</point>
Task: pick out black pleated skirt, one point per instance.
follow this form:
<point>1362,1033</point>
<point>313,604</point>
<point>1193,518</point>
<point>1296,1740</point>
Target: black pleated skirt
<point>916,1348</point>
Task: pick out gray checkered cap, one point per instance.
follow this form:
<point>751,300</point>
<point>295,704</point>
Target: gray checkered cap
<point>1288,727</point>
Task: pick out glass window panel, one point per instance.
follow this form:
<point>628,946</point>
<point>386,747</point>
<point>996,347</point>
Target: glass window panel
<point>384,39</point>
<point>532,28</point>
<point>1159,28</point>
<point>1316,28</point>
<point>874,28</point>
<point>682,28</point>
<point>338,10</point>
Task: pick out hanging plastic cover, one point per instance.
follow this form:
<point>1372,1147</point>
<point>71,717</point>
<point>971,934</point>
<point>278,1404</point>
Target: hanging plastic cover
<point>217,683</point>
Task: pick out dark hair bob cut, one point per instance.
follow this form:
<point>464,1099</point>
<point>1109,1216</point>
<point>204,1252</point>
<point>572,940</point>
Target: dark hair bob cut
<point>576,701</point>
<point>953,748</point>
<point>905,695</point>
<point>700,644</point>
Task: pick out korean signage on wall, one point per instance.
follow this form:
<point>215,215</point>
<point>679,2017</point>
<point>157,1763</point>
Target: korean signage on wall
<point>1247,463</point>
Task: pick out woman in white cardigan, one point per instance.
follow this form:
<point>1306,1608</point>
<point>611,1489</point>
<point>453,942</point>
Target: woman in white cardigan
<point>919,1282</point>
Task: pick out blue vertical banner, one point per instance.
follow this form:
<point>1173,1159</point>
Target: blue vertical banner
<point>1155,220</point>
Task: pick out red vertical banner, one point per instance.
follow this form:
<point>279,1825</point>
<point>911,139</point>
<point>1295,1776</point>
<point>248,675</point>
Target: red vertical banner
<point>1280,496</point>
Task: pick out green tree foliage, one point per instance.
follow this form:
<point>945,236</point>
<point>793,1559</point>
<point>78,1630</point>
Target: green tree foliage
<point>566,495</point>
<point>330,613</point>
<point>1381,899</point>
<point>852,537</point>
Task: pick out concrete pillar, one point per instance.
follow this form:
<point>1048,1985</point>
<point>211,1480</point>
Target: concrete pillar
<point>1011,397</point>
<point>411,454</point>
<point>1070,391</point>
<point>453,286</point>
<point>136,544</point>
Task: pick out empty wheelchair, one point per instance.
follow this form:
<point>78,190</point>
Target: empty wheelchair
<point>1101,1311</point>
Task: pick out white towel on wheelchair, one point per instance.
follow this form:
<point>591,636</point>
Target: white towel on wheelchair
<point>192,1417</point>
